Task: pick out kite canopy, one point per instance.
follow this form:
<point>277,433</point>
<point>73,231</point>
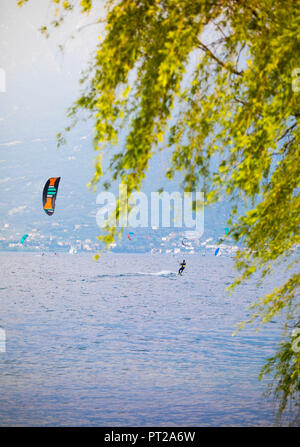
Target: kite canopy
<point>23,238</point>
<point>49,195</point>
<point>183,242</point>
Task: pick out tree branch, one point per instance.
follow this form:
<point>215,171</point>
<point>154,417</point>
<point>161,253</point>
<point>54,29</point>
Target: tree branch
<point>287,131</point>
<point>203,47</point>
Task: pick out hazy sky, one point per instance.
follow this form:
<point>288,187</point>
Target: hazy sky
<point>41,83</point>
<point>39,78</point>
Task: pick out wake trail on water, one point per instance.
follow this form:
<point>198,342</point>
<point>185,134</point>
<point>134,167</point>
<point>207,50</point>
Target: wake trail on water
<point>161,273</point>
<point>165,273</point>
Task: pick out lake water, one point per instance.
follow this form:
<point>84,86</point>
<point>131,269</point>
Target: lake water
<point>126,342</point>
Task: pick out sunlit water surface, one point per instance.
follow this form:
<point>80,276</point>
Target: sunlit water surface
<point>127,342</point>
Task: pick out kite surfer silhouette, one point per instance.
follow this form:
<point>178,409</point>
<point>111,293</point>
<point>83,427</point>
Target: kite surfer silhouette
<point>183,264</point>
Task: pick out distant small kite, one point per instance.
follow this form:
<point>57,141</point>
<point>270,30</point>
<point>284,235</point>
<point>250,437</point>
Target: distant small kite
<point>130,232</point>
<point>23,238</point>
<point>217,251</point>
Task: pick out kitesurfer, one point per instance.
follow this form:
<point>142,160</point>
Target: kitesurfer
<point>183,264</point>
